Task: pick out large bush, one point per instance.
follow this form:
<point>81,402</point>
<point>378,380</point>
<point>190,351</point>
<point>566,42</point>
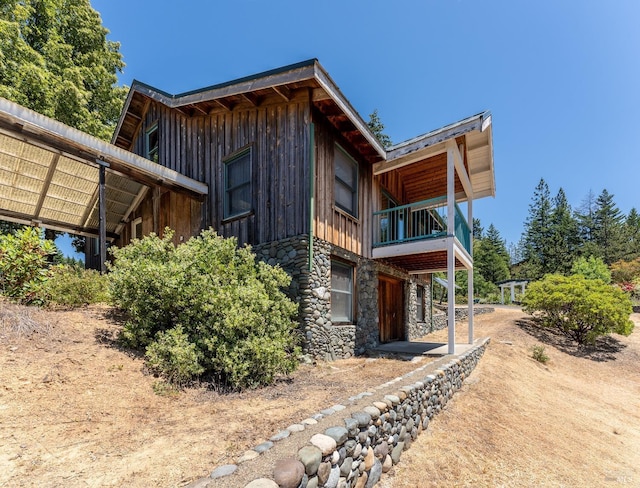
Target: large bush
<point>71,286</point>
<point>591,268</point>
<point>25,259</point>
<point>625,271</point>
<point>205,307</point>
<point>580,308</point>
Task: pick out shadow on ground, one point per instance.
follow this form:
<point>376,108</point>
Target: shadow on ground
<point>605,349</point>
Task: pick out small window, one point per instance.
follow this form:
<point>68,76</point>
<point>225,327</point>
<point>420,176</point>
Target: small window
<point>152,144</point>
<point>136,228</point>
<point>237,185</point>
<point>341,292</point>
<point>346,182</point>
<point>420,303</point>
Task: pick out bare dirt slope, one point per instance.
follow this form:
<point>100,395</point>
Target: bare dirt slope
<point>574,422</point>
<point>77,411</point>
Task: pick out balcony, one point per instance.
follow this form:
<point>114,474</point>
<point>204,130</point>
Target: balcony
<point>415,236</point>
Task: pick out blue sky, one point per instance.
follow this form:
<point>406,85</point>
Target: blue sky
<point>561,78</point>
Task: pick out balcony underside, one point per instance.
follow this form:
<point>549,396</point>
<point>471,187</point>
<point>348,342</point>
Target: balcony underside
<point>427,255</point>
<point>428,262</point>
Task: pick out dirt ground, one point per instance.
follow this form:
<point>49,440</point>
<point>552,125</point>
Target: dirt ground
<point>75,410</point>
<point>518,423</point>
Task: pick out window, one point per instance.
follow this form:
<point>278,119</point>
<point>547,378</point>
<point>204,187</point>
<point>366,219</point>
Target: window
<point>346,183</point>
<point>420,303</point>
<point>152,144</point>
<point>341,292</point>
<point>136,228</point>
<point>237,184</point>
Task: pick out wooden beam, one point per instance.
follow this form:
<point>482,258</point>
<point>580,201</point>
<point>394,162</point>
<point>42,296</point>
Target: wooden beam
<point>426,153</point>
<point>47,183</point>
<point>252,98</point>
<point>461,171</point>
<point>283,91</point>
<point>102,230</point>
<point>226,104</point>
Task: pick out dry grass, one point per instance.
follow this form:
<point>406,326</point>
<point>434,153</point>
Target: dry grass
<point>75,410</point>
<point>518,423</point>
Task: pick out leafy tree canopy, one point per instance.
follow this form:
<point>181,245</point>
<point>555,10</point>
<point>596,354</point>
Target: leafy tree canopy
<point>56,60</point>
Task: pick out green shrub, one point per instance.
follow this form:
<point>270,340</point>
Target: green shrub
<point>172,355</point>
<point>581,308</point>
<point>230,308</point>
<point>592,268</point>
<point>69,286</point>
<point>25,259</point>
<point>539,354</point>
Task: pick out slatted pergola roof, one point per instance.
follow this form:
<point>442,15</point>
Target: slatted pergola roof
<point>50,175</point>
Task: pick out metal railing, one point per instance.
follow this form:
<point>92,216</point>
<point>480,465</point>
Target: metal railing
<point>418,221</point>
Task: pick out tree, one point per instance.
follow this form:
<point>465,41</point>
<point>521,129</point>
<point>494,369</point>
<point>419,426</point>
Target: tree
<point>607,229</point>
<point>592,269</point>
<point>563,236</point>
<point>377,127</point>
<point>57,61</point>
<point>579,308</point>
<point>536,238</point>
<point>490,256</point>
<point>585,216</point>
<point>632,235</point>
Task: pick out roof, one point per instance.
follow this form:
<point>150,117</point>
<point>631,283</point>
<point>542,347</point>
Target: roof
<point>443,282</point>
<point>308,78</point>
<point>477,131</point>
<point>49,175</point>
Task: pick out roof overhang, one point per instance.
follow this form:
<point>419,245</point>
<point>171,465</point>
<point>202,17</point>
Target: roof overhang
<point>476,131</point>
<point>49,175</point>
<point>308,79</point>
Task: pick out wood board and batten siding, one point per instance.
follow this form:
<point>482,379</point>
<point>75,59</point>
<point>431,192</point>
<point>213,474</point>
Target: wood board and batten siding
<point>331,223</point>
<point>277,136</point>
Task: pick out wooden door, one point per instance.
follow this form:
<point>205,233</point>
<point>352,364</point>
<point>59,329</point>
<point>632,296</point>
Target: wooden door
<point>390,309</point>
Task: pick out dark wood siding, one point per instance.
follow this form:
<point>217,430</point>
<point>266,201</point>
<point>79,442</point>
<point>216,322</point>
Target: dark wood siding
<point>278,135</point>
<point>330,223</point>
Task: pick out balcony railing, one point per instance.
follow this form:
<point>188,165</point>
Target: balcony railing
<point>418,221</point>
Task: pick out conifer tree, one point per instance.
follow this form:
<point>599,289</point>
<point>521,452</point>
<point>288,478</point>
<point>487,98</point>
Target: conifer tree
<point>563,236</point>
<point>632,235</point>
<point>608,231</point>
<point>377,127</point>
<point>536,237</point>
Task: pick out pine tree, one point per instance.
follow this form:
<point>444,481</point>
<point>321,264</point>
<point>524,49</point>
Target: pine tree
<point>632,235</point>
<point>563,236</point>
<point>377,127</point>
<point>536,237</point>
<point>608,231</point>
<point>55,59</point>
<point>585,216</point>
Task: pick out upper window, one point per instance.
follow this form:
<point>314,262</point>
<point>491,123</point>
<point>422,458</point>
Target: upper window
<point>237,184</point>
<point>151,144</point>
<point>346,183</point>
<point>341,292</point>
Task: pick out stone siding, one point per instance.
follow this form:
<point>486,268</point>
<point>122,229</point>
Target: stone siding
<point>440,318</point>
<point>356,451</point>
<point>311,290</point>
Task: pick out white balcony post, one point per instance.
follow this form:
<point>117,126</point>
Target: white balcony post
<point>470,270</point>
<point>451,258</point>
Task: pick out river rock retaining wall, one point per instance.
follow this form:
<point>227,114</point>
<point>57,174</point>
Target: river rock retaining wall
<point>356,452</point>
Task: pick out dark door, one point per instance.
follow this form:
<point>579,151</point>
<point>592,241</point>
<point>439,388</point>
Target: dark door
<point>391,307</point>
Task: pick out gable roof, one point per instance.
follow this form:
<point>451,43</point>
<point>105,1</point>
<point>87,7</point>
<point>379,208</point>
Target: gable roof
<point>251,91</point>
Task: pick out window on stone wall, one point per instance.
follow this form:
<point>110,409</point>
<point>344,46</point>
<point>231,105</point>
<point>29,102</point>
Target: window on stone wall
<point>341,292</point>
<point>420,303</point>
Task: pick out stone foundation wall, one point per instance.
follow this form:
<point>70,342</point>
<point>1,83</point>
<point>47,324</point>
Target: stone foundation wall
<point>440,318</point>
<point>311,290</point>
<point>356,451</point>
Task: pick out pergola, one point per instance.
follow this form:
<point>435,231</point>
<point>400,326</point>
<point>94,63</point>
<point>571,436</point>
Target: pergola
<point>58,177</point>
<point>511,284</point>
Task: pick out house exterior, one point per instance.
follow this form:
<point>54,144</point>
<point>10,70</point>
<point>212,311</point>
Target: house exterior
<point>295,172</point>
